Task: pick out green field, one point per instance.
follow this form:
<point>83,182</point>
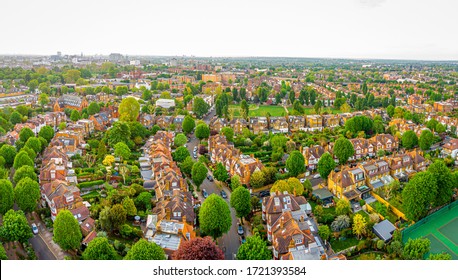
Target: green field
<point>259,111</point>
<point>440,228</point>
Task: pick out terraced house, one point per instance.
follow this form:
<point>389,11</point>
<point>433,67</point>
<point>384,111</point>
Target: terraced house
<point>349,184</point>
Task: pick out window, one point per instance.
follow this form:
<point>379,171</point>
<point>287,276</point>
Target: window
<point>298,241</point>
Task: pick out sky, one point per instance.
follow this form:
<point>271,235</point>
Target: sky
<point>378,29</point>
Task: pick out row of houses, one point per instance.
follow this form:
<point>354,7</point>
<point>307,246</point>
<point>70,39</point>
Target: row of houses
<point>235,162</point>
<point>173,218</point>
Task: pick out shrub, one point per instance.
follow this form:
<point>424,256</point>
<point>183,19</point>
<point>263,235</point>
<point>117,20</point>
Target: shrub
<point>90,184</point>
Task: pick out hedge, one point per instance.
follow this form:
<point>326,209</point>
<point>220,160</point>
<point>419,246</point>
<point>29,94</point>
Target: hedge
<point>90,184</point>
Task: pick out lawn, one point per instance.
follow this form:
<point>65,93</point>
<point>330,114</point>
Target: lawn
<point>330,210</point>
<point>342,244</point>
<point>260,111</point>
<point>311,111</point>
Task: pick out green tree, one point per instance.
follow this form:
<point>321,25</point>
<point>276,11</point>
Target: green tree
<point>220,172</point>
<point>409,139</point>
<point>101,150</point>
<point>93,108</point>
<point>117,216</point>
<point>46,132</point>
<point>440,257</point>
<point>144,250</point>
<point>254,249</point>
<point>155,129</point>
<point>325,165</point>
<point>143,200</point>
<point>180,154</point>
<point>34,143</point>
<point>228,132</point>
<point>67,233</point>
<point>244,109</point>
<point>119,132</point>
<point>445,184</point>
<point>359,225</point>
<point>122,150</point>
<point>129,205</point>
<point>235,182</point>
<point>3,255</point>
<point>27,194</point>
<point>186,165</point>
<point>295,163</point>
<point>343,207</point>
<point>343,150</point>
<point>418,195</point>
<point>198,173</point>
<point>8,152</point>
<point>202,131</point>
<point>416,249</point>
<point>188,124</point>
<point>324,232</point>
<point>15,118</point>
<point>241,202</point>
<point>295,186</point>
<point>180,139</point>
<point>129,109</point>
<point>21,159</point>
<point>6,197</point>
<point>200,107</point>
<point>215,216</point>
<point>317,107</point>
<point>257,179</point>
<point>426,140</point>
<point>25,134</point>
<point>15,227</point>
<point>100,249</point>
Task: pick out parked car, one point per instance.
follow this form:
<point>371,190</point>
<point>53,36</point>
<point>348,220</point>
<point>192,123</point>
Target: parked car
<point>264,193</point>
<point>240,230</point>
<point>302,180</point>
<point>242,239</point>
<point>204,193</point>
<point>316,176</point>
<point>210,178</point>
<point>34,228</point>
<point>223,194</point>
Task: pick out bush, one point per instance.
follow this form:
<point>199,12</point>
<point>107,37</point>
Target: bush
<point>90,184</point>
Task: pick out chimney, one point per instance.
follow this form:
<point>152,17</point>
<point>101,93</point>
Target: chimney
<point>291,244</point>
<point>167,214</point>
<point>184,219</point>
<point>167,185</point>
<point>282,220</point>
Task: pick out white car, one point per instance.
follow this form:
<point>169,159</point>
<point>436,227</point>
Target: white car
<point>34,228</point>
<point>316,176</point>
<point>302,180</point>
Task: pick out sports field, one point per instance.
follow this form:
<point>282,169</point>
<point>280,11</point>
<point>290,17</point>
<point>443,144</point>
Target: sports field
<point>441,228</point>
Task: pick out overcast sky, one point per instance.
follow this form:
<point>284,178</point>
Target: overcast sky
<point>398,29</point>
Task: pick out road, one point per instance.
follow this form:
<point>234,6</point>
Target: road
<point>41,249</point>
<point>229,242</point>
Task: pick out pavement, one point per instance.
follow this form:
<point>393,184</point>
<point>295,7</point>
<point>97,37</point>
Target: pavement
<point>45,248</point>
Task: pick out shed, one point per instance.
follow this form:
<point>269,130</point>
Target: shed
<point>384,230</point>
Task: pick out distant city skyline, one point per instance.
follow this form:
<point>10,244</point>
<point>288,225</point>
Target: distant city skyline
<point>352,29</point>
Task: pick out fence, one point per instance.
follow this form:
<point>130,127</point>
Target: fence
<point>390,207</point>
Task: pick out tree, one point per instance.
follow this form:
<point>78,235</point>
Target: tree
<point>75,115</point>
<point>244,109</point>
<point>119,132</point>
<point>200,107</point>
<point>317,107</point>
<point>431,124</point>
<point>341,222</point>
<point>93,108</point>
<point>117,216</point>
<point>143,200</point>
<point>295,186</point>
<point>186,165</point>
<point>440,257</point>
<point>3,255</point>
<point>254,249</point>
<point>295,163</point>
<point>46,132</point>
<point>409,139</point>
<point>215,216</point>
<point>440,128</point>
<point>188,124</point>
<point>343,207</point>
<point>228,132</point>
<point>122,150</point>
<point>444,180</point>
<point>180,154</point>
<point>325,165</point>
<point>359,225</point>
<point>7,196</point>
<point>220,173</point>
<point>25,134</point>
<point>109,160</point>
<point>416,249</point>
<point>104,219</point>
<point>426,140</point>
<point>129,109</point>
<point>280,186</point>
<point>418,195</point>
<point>21,159</point>
<point>15,227</point>
<point>257,179</point>
<point>67,233</point>
<point>269,174</point>
<point>101,150</point>
<point>202,131</point>
<point>34,143</point>
<point>8,152</point>
<point>15,118</point>
<point>144,250</point>
<point>198,173</point>
<point>155,129</point>
<point>324,232</point>
<point>27,194</point>
<point>241,202</point>
<point>180,139</point>
<point>235,182</point>
<point>198,249</point>
<point>129,205</point>
<point>343,150</point>
<point>100,249</point>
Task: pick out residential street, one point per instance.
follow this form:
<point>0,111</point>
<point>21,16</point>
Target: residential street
<point>41,250</point>
<point>42,243</point>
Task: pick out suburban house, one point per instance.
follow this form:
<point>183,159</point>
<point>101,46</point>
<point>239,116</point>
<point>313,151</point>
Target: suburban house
<point>362,147</point>
<point>331,121</point>
<point>216,124</point>
<point>296,123</point>
<point>72,102</point>
<point>259,125</point>
<point>312,155</point>
<point>401,166</point>
<point>165,103</point>
<point>238,124</point>
<point>349,184</point>
<point>377,173</point>
<point>101,121</point>
<point>314,122</point>
<point>384,142</point>
<point>278,125</point>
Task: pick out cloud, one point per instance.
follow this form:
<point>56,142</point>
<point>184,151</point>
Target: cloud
<point>371,3</point>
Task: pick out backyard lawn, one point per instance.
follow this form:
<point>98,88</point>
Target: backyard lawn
<point>260,111</point>
<point>311,111</point>
<point>342,244</point>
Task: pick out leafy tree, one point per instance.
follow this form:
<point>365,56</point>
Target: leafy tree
<point>295,186</point>
<point>119,132</point>
<point>431,124</point>
<point>30,152</point>
<point>180,154</point>
<point>409,139</point>
<point>440,128</point>
<point>244,109</point>
<point>21,159</point>
<point>180,139</point>
<point>281,186</point>
<point>418,195</point>
<point>395,248</point>
<point>188,124</point>
<point>341,222</point>
<point>101,150</point>
<point>343,150</point>
<point>67,233</point>
<point>143,200</point>
<point>440,257</point>
<point>109,160</point>
<point>269,174</point>
<point>444,179</point>
<point>93,108</point>
<point>15,227</point>
<point>186,165</point>
<point>198,249</point>
<point>46,132</point>
<point>129,205</point>
<point>324,232</point>
<point>343,207</point>
<point>235,182</point>
<point>3,255</point>
<point>254,249</point>
<point>215,216</point>
<point>75,115</point>
<point>25,134</point>
<point>104,219</point>
<point>202,131</point>
<point>144,250</point>
<point>325,165</point>
<point>198,173</point>
<point>117,216</point>
<point>257,179</point>
<point>129,109</point>
<point>15,118</point>
<point>359,225</point>
<point>295,163</point>
<point>241,202</point>
<point>416,249</point>
<point>7,196</point>
<point>228,132</point>
<point>220,172</point>
<point>200,107</point>
<point>426,140</point>
<point>34,143</point>
<point>155,129</point>
<point>122,150</point>
<point>317,107</point>
<point>100,249</point>
<point>8,152</point>
<point>27,194</point>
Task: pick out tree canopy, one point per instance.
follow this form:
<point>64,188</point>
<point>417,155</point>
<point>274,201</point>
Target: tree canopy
<point>67,233</point>
<point>27,194</point>
<point>100,249</point>
<point>198,249</point>
<point>241,202</point>
<point>144,250</point>
<point>325,165</point>
<point>295,163</point>
<point>198,173</point>
<point>7,196</point>
<point>343,150</point>
<point>129,109</point>
<point>15,227</point>
<point>254,249</point>
<point>215,216</point>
